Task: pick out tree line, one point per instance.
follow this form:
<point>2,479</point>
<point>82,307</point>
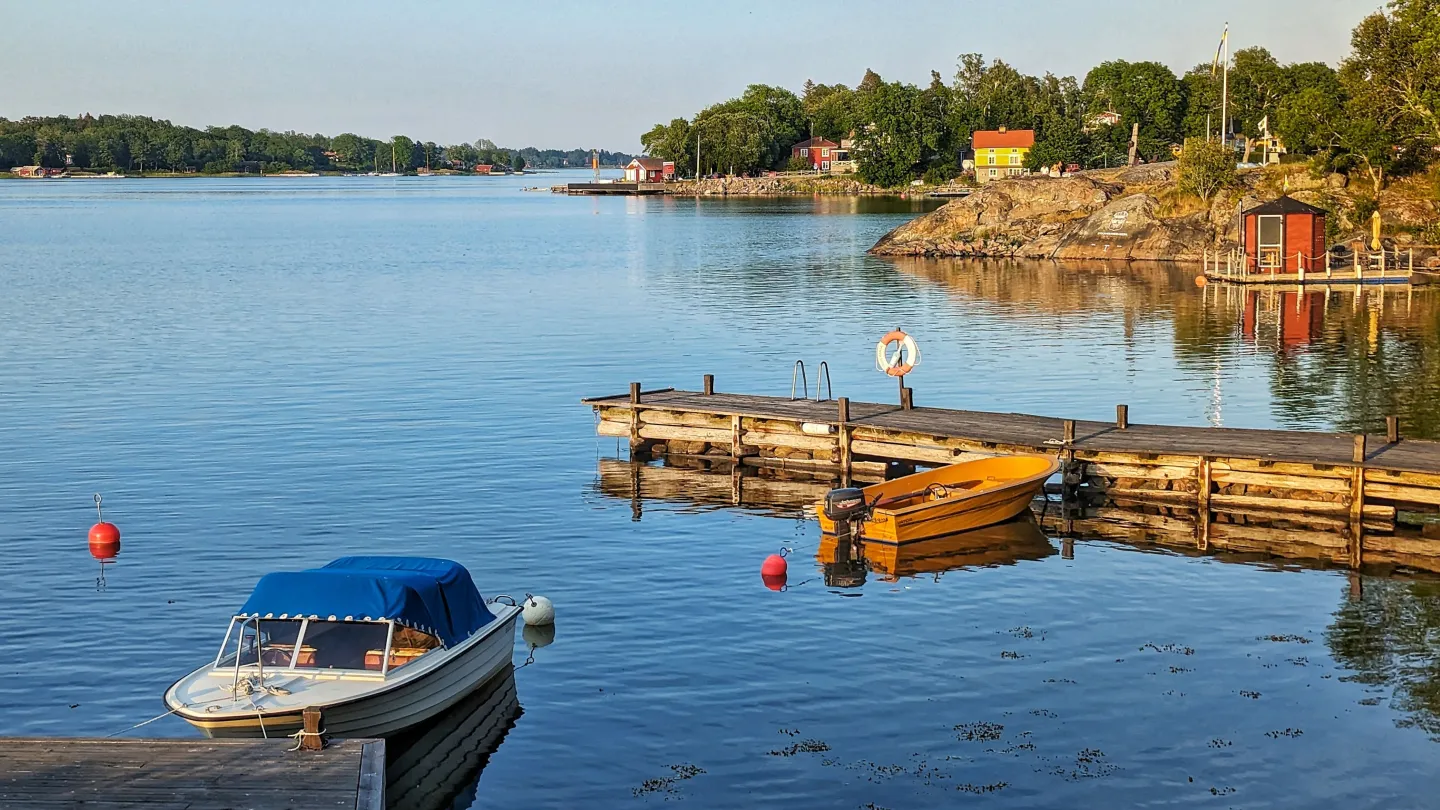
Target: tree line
<point>1379,112</point>
<point>139,143</point>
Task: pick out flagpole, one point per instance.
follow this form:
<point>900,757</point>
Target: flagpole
<point>1225,92</point>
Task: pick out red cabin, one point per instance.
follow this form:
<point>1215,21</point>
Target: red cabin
<point>819,151</point>
<point>1283,236</point>
<point>649,170</point>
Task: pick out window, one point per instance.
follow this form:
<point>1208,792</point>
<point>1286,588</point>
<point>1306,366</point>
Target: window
<point>344,645</point>
<point>277,642</point>
<point>1016,172</point>
<point>994,172</point>
<point>825,165</point>
<point>1014,160</point>
<point>824,153</point>
<point>804,152</point>
<point>990,158</point>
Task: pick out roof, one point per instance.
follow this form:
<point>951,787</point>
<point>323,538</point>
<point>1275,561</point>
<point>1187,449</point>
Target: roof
<point>431,595</point>
<point>813,142</point>
<point>649,163</point>
<point>1287,205</point>
<point>1010,138</point>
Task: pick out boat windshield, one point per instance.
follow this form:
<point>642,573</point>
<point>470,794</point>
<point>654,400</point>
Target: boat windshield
<point>317,644</point>
<point>276,645</point>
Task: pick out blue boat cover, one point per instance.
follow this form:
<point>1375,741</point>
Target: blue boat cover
<point>430,595</point>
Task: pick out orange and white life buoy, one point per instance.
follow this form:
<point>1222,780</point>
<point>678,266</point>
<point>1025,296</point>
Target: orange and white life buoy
<point>905,358</point>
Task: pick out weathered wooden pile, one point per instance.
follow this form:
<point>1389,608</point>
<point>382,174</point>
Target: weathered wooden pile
<point>1346,499</point>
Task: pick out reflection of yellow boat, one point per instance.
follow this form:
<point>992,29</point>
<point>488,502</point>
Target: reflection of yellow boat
<point>952,499</point>
<point>1002,544</point>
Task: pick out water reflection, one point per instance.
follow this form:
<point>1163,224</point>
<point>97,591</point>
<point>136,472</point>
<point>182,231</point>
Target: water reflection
<point>1388,632</point>
<point>1333,357</point>
<point>711,483</point>
<point>1004,544</point>
<point>439,765</point>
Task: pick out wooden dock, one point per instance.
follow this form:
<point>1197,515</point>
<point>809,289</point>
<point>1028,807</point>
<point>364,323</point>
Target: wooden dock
<point>141,774</point>
<point>616,189</point>
<point>1351,500</point>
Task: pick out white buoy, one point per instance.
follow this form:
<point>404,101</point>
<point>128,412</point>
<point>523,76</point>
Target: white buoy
<point>537,611</point>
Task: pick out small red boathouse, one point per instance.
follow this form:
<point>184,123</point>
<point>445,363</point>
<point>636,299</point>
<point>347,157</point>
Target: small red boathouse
<point>1283,236</point>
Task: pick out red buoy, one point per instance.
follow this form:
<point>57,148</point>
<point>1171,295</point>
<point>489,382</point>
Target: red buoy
<point>773,582</point>
<point>774,565</point>
<point>104,537</point>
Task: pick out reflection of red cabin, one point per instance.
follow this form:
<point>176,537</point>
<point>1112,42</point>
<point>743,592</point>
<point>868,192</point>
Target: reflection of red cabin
<point>1283,236</point>
<point>1301,316</point>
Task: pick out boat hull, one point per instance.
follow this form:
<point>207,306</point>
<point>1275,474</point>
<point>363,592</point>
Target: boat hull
<point>1003,489</point>
<point>389,708</point>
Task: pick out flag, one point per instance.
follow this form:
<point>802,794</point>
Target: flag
<point>1224,39</point>
<point>1265,126</point>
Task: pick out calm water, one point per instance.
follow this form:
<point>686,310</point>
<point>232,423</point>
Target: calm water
<point>270,374</point>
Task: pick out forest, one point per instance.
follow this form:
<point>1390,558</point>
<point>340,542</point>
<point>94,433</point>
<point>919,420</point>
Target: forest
<point>1378,113</point>
<point>133,143</point>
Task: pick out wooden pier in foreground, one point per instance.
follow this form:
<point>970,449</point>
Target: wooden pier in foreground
<point>1348,499</point>
<point>138,774</point>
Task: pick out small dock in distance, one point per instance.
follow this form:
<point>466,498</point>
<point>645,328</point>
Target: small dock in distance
<point>614,189</point>
<point>172,774</point>
<point>1346,499</point>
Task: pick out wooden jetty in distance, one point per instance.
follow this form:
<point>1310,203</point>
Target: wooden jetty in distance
<point>139,774</point>
<point>1351,500</point>
<point>614,189</point>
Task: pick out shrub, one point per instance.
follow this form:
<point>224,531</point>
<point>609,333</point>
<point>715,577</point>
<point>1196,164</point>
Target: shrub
<point>799,164</point>
<point>1206,168</point>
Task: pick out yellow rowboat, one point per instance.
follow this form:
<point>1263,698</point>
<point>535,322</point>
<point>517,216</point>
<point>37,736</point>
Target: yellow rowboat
<point>1002,544</point>
<point>952,499</point>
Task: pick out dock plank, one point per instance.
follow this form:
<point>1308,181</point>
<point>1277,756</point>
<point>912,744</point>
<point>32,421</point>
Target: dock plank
<point>1307,447</point>
<point>121,774</point>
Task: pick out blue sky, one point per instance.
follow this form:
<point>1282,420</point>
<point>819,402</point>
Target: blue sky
<point>574,74</point>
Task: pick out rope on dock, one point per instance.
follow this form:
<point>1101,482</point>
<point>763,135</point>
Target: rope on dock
<point>300,737</point>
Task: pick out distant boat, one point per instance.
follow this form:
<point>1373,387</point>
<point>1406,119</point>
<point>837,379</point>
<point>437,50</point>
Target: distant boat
<point>377,644</point>
<point>293,174</point>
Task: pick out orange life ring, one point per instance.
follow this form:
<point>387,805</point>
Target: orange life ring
<point>897,365</point>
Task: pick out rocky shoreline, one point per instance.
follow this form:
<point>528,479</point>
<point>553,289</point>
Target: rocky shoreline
<point>1131,214</point>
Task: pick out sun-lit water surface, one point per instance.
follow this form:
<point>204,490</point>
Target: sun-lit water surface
<point>269,374</point>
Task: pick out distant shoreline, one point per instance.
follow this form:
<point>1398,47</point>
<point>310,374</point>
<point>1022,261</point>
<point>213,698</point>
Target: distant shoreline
<point>289,175</point>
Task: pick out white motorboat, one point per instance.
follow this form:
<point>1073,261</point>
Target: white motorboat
<point>377,644</point>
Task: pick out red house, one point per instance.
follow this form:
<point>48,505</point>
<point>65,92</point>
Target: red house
<point>649,170</point>
<point>483,168</point>
<point>818,151</point>
<point>1284,236</point>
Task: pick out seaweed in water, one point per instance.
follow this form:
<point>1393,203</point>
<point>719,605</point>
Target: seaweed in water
<point>802,747</point>
<point>980,732</point>
<point>1284,639</point>
<point>1090,763</point>
<point>1220,743</point>
<point>1289,732</point>
<point>681,772</point>
<point>969,788</point>
<point>1168,648</point>
<point>1249,694</point>
<point>1010,654</point>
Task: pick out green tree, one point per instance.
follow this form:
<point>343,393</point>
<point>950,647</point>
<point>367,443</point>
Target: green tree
<point>1206,167</point>
<point>673,141</point>
<point>1393,72</point>
<point>401,151</point>
<point>891,146</point>
<point>517,162</point>
<point>1147,93</point>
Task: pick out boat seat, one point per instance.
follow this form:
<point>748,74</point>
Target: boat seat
<point>399,657</point>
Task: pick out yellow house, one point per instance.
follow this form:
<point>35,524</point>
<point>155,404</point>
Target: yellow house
<point>1001,152</point>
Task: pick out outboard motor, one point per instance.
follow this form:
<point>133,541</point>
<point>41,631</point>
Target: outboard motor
<point>846,506</point>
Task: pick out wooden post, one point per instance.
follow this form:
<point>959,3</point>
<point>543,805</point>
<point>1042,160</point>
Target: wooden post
<point>843,437</point>
<point>1067,544</point>
<point>1202,513</point>
<point>1069,432</point>
<point>1357,263</point>
<point>735,437</point>
<point>311,740</point>
<point>737,485</point>
<point>635,441</point>
<point>709,385</point>
<point>1122,417</point>
<point>1357,504</point>
<point>1382,261</point>
<point>1412,260</point>
<point>907,398</point>
<point>1392,429</point>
